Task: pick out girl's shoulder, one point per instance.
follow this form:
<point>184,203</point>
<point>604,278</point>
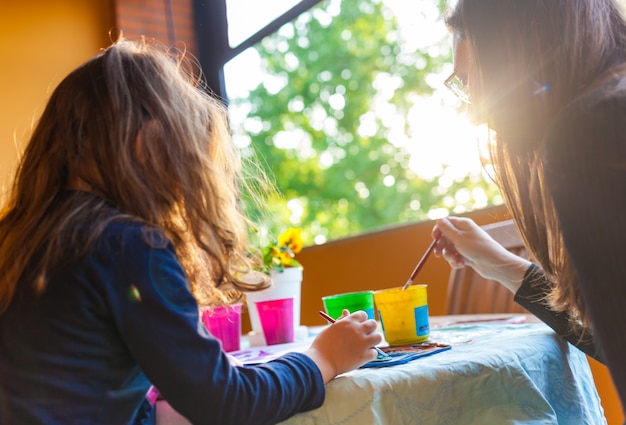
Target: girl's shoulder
<point>131,235</point>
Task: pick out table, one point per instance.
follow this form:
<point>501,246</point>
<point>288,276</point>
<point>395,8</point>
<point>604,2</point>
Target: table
<point>495,373</point>
<point>502,369</point>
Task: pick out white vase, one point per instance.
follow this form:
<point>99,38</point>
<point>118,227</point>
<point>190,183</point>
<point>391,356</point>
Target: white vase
<point>287,284</point>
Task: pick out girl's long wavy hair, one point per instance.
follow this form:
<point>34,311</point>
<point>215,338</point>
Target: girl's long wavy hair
<point>529,59</point>
<point>133,126</point>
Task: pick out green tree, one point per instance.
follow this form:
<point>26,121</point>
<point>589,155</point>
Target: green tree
<point>313,125</point>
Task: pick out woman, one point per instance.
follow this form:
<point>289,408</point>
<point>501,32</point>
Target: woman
<point>549,77</point>
<point>123,216</point>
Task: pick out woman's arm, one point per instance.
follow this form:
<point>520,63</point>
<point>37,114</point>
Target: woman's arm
<point>531,295</point>
<point>464,243</point>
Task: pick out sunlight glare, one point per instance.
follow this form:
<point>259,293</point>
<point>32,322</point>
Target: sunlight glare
<point>439,136</point>
<point>296,209</point>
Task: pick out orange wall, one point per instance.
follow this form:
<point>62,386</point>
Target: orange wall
<point>40,42</point>
<point>376,260</point>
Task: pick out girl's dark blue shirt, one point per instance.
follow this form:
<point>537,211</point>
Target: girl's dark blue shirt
<point>122,318</point>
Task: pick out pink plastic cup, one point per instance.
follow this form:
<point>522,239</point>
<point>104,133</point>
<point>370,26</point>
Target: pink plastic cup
<point>276,318</point>
<point>224,323</point>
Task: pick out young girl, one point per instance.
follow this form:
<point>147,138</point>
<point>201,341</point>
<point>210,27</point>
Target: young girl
<point>549,77</point>
<point>123,215</point>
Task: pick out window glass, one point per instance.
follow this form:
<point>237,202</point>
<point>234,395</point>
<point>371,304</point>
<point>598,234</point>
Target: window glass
<point>345,108</point>
<point>246,17</point>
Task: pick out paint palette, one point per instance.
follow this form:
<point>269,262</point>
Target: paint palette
<point>406,353</point>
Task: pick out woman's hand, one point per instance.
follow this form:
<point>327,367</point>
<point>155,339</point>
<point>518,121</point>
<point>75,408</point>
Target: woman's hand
<point>463,243</point>
<point>345,345</point>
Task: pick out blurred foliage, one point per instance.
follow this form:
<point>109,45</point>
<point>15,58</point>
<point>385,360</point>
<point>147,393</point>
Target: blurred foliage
<point>305,123</point>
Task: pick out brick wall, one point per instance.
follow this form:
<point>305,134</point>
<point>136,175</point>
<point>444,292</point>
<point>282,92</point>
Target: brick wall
<point>168,21</point>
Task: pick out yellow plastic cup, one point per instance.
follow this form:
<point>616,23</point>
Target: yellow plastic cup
<point>403,314</point>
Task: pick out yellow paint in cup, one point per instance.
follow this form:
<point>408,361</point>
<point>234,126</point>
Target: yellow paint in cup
<point>403,314</point>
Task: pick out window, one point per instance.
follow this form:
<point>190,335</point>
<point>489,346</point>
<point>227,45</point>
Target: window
<point>344,106</point>
<point>246,17</point>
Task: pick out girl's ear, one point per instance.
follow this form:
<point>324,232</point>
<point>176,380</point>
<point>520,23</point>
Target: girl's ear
<point>139,147</point>
<point>150,129</point>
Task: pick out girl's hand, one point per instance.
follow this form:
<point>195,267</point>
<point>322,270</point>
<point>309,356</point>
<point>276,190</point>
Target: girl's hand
<point>345,345</point>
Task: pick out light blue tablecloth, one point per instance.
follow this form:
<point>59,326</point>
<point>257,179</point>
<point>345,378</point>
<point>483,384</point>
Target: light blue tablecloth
<point>494,374</point>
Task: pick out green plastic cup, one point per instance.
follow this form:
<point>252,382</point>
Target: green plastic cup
<point>351,301</point>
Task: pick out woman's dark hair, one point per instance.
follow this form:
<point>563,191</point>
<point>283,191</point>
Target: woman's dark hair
<point>528,60</point>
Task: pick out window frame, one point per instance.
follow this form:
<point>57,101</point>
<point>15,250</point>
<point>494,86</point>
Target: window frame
<point>213,47</point>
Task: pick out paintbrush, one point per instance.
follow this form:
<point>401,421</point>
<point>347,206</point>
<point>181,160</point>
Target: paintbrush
<point>420,264</point>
